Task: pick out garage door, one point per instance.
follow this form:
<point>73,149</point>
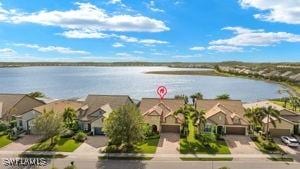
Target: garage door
<point>170,128</point>
<point>279,132</point>
<point>236,130</point>
<point>98,131</point>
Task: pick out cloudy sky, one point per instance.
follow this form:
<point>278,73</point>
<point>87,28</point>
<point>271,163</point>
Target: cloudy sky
<point>150,30</point>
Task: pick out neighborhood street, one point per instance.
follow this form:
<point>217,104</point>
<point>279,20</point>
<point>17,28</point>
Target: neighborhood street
<point>123,164</point>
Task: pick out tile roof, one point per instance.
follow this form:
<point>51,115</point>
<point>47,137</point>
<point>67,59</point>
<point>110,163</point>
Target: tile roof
<point>16,104</point>
<point>59,106</point>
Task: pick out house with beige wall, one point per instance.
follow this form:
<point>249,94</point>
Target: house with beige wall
<point>223,116</point>
<point>160,114</point>
<point>289,121</point>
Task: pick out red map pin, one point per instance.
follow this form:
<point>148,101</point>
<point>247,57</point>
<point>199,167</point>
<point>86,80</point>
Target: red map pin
<point>162,91</point>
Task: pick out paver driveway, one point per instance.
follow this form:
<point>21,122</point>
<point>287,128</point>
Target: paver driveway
<point>168,143</point>
<point>22,144</point>
<point>92,144</point>
<point>241,145</point>
<point>294,152</point>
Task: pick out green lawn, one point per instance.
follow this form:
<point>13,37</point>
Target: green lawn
<point>63,145</point>
<point>4,140</point>
<point>281,103</point>
<point>192,145</point>
<point>148,146</point>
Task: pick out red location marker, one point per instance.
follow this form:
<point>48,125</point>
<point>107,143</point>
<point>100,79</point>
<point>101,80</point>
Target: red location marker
<point>162,91</point>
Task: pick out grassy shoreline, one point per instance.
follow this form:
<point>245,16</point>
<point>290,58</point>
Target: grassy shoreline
<point>291,89</point>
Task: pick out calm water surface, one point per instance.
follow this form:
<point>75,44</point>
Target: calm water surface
<point>67,82</point>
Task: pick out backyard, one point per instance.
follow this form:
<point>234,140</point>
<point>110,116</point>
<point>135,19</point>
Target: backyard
<point>61,145</point>
<point>194,146</point>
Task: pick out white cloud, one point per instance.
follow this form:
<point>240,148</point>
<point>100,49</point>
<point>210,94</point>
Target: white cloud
<point>197,48</point>
<point>146,42</point>
<point>222,48</point>
<point>186,56</point>
<point>84,34</point>
<point>284,11</point>
<point>58,49</point>
<point>114,1</point>
<point>138,52</point>
<point>152,6</point>
<point>117,45</point>
<point>7,52</point>
<point>250,37</point>
<point>86,17</point>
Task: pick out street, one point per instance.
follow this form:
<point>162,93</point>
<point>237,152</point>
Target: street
<point>125,164</point>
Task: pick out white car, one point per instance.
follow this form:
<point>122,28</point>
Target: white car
<point>290,141</point>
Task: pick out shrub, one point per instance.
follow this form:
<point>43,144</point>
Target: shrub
<point>112,149</point>
<point>67,133</point>
<point>81,136</point>
<point>3,126</point>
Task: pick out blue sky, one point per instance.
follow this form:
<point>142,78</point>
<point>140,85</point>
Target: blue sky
<point>150,30</point>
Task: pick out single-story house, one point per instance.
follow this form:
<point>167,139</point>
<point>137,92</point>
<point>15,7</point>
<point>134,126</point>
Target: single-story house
<point>224,116</point>
<point>98,107</point>
<point>289,120</point>
<point>160,114</point>
<point>16,104</point>
<point>26,120</point>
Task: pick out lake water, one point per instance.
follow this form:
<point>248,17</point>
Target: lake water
<point>67,82</point>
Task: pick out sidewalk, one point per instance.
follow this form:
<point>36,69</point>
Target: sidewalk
<point>93,155</point>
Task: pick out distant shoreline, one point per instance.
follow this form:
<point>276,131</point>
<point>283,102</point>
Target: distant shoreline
<point>188,72</point>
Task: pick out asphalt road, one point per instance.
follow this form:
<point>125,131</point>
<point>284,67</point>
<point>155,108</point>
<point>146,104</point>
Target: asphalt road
<point>123,164</point>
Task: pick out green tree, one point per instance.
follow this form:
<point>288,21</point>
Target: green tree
<point>36,94</point>
<point>272,115</point>
<point>124,126</point>
<point>49,124</point>
<point>254,116</point>
<point>285,100</point>
<point>295,102</point>
<point>207,138</point>
<point>199,119</point>
<point>195,96</point>
<point>223,97</point>
<point>69,116</point>
<point>184,97</point>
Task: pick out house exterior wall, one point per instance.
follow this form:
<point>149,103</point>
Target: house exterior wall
<point>218,118</point>
<point>171,120</point>
<point>26,117</point>
<point>96,123</point>
<point>153,120</point>
<point>283,125</point>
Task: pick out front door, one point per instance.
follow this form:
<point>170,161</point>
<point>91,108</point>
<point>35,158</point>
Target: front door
<point>220,130</point>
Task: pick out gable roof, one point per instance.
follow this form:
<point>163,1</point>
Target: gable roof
<point>230,108</point>
<point>95,103</point>
<point>59,106</point>
<point>17,104</point>
<point>148,103</point>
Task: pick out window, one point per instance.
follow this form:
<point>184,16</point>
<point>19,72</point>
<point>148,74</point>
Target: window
<point>20,123</point>
<point>208,128</point>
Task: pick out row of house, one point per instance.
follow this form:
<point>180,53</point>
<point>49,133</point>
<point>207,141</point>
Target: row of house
<point>266,73</point>
<point>222,116</point>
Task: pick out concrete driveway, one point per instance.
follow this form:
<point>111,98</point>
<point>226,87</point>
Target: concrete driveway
<point>294,152</point>
<point>241,145</point>
<point>22,144</point>
<point>168,143</point>
<point>92,144</point>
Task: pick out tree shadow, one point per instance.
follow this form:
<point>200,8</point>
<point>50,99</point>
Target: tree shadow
<point>117,164</point>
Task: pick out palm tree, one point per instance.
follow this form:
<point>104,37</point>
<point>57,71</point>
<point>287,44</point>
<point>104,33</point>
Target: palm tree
<point>196,96</point>
<point>184,97</point>
<point>69,116</point>
<point>254,116</point>
<point>272,116</point>
<point>285,101</point>
<point>295,102</point>
<point>199,119</point>
<point>223,97</point>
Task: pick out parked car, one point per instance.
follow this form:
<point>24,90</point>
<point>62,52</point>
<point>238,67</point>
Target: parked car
<point>290,141</point>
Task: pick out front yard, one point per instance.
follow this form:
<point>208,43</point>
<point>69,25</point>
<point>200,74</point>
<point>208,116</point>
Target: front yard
<point>4,140</point>
<point>193,145</point>
<point>148,146</point>
<point>62,145</point>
